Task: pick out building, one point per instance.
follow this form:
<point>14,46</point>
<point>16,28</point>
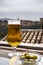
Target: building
<point>41,20</point>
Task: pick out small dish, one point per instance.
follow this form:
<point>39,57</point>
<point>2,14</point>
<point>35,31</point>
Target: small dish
<point>30,61</point>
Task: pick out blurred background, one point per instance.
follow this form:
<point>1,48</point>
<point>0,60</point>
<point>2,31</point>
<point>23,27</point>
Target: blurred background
<point>34,33</point>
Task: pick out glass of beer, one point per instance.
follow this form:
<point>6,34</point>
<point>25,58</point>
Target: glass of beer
<point>14,33</point>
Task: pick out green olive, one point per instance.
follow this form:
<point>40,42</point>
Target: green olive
<point>22,57</point>
<point>27,57</point>
<point>34,57</point>
<point>25,54</point>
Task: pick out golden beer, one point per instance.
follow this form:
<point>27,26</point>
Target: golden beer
<point>14,33</point>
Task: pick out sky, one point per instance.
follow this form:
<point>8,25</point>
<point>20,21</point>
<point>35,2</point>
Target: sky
<point>22,9</point>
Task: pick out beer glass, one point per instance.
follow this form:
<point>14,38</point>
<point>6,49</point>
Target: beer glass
<point>14,33</point>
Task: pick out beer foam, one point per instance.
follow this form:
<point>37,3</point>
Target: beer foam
<point>13,22</point>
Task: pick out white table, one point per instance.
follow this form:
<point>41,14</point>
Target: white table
<point>14,61</point>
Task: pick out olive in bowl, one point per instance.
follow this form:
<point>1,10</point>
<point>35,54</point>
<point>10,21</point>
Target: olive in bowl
<point>29,59</point>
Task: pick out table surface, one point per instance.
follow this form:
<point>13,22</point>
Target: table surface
<point>5,60</point>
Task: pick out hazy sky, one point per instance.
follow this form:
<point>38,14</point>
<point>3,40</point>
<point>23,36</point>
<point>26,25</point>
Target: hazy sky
<point>23,9</point>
